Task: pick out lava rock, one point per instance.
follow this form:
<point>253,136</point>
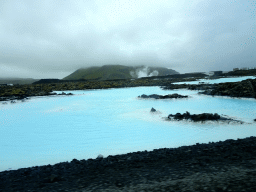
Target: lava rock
<point>100,156</point>
<point>169,96</point>
<point>152,110</point>
<point>199,167</point>
<point>199,117</point>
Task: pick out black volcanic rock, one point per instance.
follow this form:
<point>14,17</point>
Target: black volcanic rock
<point>220,166</point>
<point>63,93</point>
<point>169,96</point>
<point>199,117</point>
<point>246,88</point>
<point>153,110</point>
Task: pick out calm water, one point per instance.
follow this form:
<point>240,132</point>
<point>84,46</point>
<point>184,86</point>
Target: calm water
<point>220,80</point>
<point>49,130</point>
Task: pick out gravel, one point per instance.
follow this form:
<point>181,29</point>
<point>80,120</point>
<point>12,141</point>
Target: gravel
<point>222,166</point>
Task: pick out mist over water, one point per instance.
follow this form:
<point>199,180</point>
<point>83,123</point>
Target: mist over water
<point>48,130</point>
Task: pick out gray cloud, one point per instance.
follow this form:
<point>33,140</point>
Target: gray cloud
<point>51,39</point>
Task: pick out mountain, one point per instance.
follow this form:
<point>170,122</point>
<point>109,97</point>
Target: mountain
<point>107,72</point>
<point>20,81</point>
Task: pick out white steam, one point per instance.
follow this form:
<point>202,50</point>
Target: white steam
<point>154,73</point>
<point>143,72</point>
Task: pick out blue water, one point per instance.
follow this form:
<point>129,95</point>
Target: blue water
<point>48,130</point>
<point>220,80</point>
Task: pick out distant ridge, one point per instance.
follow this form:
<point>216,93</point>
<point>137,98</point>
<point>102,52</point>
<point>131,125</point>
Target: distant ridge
<point>20,81</point>
<point>107,72</point>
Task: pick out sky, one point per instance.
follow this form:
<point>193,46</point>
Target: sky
<point>53,38</point>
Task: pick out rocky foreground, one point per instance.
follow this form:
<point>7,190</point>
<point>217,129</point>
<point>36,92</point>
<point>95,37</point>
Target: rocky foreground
<point>220,166</point>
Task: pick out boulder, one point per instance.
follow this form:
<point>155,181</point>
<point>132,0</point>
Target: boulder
<point>100,156</point>
<point>152,110</point>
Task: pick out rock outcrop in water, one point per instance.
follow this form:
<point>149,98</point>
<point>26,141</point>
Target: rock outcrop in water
<point>199,117</point>
<point>169,96</point>
<point>245,88</point>
<point>63,93</point>
<point>153,110</point>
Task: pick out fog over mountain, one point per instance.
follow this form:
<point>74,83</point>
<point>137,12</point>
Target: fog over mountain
<point>53,38</point>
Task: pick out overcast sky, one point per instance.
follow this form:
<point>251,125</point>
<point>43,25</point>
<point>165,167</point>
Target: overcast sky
<point>53,38</point>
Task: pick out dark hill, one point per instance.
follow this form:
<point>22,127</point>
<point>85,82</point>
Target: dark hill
<point>20,81</point>
<point>107,72</point>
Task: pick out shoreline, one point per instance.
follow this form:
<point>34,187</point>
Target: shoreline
<point>23,92</point>
<point>199,167</point>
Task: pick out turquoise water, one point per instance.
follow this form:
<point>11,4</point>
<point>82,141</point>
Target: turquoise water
<point>48,130</point>
<point>220,80</point>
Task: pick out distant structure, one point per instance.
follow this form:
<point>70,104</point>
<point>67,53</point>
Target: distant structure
<point>244,68</point>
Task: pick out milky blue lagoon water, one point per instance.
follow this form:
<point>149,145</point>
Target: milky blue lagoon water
<point>220,80</point>
<point>48,130</point>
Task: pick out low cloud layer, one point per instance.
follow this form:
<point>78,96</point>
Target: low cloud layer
<point>51,39</point>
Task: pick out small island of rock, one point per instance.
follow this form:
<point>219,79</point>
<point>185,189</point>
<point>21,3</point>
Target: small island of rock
<point>200,117</point>
<point>169,96</point>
